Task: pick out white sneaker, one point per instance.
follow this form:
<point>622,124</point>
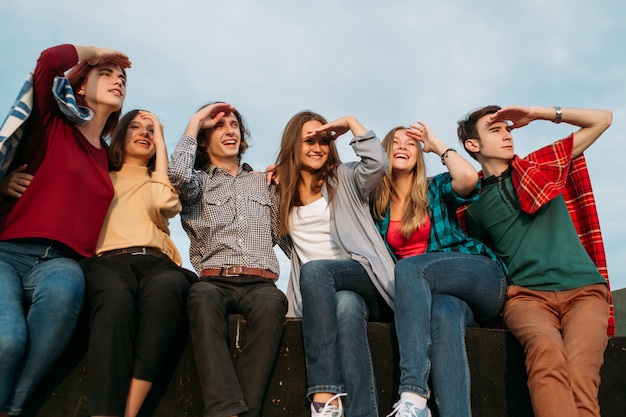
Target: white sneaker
<point>329,410</point>
<point>408,409</point>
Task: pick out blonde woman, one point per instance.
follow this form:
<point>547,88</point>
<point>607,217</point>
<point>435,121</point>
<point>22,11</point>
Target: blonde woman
<point>443,279</point>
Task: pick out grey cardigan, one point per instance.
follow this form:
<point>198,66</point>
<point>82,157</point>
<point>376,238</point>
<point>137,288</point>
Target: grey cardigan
<point>352,226</point>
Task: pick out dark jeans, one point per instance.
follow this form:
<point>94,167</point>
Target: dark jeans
<point>228,390</point>
<point>136,307</point>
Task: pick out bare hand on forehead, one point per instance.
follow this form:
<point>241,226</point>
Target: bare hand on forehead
<point>338,127</point>
<point>210,115</point>
<point>110,55</point>
<point>518,116</point>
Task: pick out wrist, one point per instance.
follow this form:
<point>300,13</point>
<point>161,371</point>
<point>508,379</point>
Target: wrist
<point>445,154</point>
<point>558,115</point>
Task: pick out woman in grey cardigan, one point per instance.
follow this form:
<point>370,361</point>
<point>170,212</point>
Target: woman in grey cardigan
<point>341,271</point>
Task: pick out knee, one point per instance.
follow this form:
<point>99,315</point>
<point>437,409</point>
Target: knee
<point>203,297</point>
<point>12,344</point>
<point>406,273</point>
<point>273,305</point>
<point>113,306</point>
<point>450,314</point>
<point>312,275</point>
<point>350,306</point>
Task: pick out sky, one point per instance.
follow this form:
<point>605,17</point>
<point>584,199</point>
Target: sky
<point>387,63</point>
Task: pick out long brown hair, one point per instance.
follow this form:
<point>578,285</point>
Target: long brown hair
<point>77,76</point>
<point>415,207</point>
<point>289,165</point>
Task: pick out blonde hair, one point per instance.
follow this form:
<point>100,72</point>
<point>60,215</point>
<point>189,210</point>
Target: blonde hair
<point>415,207</point>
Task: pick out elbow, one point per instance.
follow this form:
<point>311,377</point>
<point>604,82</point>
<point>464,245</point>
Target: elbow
<point>465,183</point>
<point>608,118</point>
<point>470,178</point>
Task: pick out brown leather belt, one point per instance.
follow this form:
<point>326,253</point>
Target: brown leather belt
<point>135,250</point>
<point>236,271</point>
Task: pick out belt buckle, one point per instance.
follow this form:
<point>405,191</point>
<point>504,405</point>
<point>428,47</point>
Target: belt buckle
<point>141,252</point>
<point>232,271</point>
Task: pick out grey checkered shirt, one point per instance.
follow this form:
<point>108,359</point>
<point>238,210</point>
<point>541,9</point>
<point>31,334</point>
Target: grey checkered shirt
<point>230,221</point>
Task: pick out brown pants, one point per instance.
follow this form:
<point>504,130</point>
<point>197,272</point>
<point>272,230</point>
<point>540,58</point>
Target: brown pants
<point>564,337</point>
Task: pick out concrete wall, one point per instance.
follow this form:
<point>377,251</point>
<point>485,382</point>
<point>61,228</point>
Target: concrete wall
<point>496,361</point>
<point>619,301</point>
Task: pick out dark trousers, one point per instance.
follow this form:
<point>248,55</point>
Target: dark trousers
<point>228,390</point>
<point>136,306</point>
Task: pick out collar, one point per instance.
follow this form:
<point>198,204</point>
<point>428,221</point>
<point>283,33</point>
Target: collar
<point>486,182</point>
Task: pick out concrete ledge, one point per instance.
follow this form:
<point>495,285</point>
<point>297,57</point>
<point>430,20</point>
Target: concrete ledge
<point>496,362</point>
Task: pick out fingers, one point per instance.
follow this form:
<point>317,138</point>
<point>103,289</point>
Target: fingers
<point>271,174</point>
<point>16,182</point>
<point>110,55</point>
<point>216,108</point>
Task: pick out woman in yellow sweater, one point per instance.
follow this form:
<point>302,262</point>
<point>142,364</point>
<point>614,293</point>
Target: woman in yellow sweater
<point>135,287</point>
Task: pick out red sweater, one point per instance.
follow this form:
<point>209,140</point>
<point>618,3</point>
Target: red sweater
<point>69,196</point>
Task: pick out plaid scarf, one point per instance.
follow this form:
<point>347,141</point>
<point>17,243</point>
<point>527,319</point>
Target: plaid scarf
<point>12,129</point>
<point>550,171</point>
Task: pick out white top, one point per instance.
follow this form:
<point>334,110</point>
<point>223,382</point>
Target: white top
<point>309,229</point>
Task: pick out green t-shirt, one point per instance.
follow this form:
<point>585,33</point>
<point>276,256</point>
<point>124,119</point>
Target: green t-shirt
<point>542,250</point>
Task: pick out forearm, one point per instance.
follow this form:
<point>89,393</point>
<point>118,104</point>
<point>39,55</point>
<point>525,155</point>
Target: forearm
<point>161,161</point>
<point>356,127</point>
<point>463,173</point>
<point>592,123</point>
<point>181,171</point>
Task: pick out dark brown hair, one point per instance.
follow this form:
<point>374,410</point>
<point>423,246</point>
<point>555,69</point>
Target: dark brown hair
<point>202,161</point>
<point>467,126</point>
<point>117,148</point>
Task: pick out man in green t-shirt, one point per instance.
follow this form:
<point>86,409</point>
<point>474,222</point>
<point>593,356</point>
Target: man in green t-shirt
<point>557,301</point>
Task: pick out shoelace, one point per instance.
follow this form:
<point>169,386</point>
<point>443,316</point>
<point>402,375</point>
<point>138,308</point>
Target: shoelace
<point>406,407</point>
<point>328,407</point>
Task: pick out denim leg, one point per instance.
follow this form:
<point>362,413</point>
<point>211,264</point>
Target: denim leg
<point>13,332</point>
<point>474,279</point>
<point>450,374</point>
<point>412,318</point>
<point>319,283</point>
<point>55,289</point>
<point>356,359</point>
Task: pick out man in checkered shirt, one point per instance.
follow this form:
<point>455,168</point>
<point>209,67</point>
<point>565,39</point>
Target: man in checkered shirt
<point>231,217</point>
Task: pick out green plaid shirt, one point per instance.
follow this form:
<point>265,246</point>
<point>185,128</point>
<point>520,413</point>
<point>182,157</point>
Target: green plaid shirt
<point>446,234</point>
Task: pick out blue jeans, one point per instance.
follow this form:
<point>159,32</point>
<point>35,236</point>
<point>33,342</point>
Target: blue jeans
<point>451,382</point>
<point>338,297</point>
<point>473,279</point>
<point>40,273</point>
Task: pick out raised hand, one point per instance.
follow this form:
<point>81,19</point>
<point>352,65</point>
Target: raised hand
<point>208,116</point>
<point>338,127</point>
<point>518,116</point>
